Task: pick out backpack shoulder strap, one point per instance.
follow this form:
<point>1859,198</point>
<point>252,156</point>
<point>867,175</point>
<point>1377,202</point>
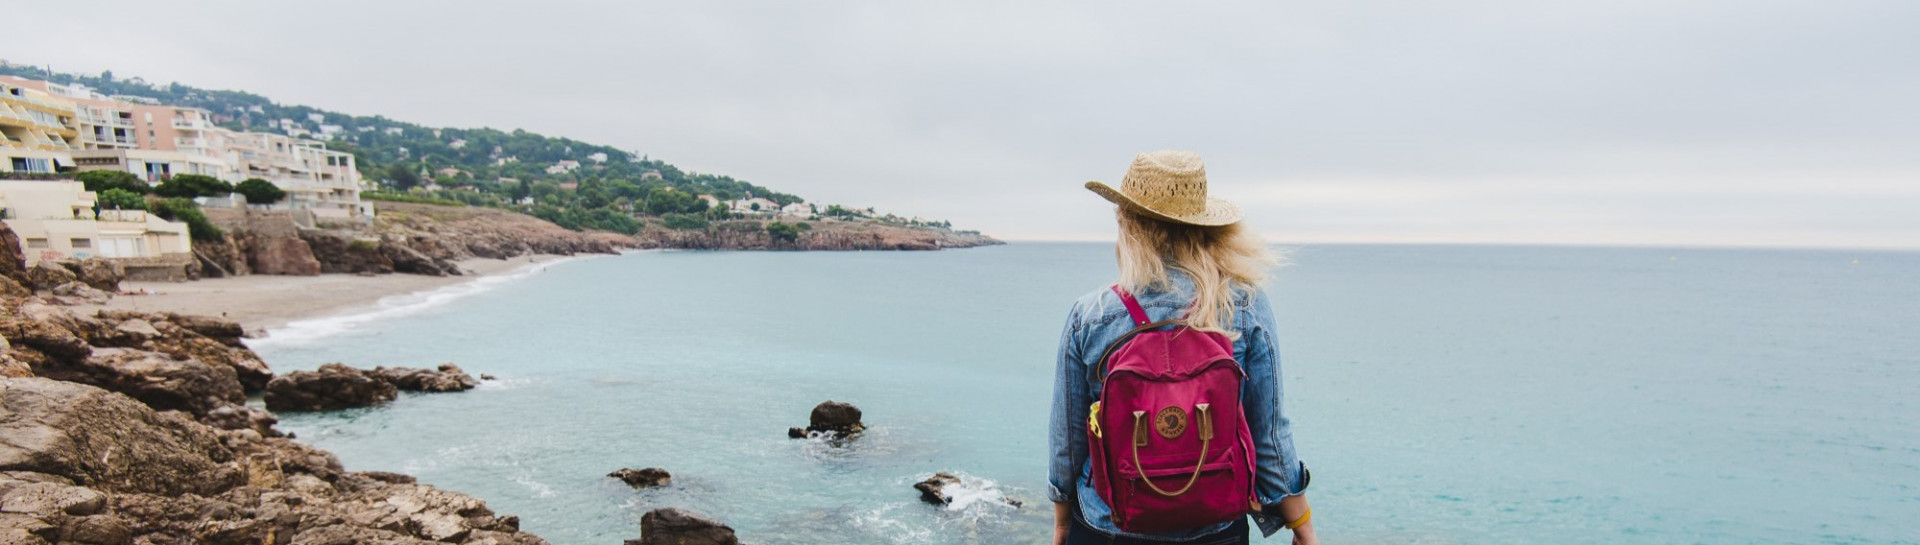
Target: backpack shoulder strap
<point>1133,306</point>
<point>1141,324</point>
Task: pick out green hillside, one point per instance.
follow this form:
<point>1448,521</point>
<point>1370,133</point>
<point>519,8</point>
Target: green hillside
<point>395,153</point>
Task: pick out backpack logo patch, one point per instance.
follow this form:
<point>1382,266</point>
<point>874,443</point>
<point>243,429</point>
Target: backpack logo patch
<point>1170,422</point>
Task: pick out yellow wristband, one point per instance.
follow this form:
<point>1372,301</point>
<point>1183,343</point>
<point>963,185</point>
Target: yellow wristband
<point>1302,520</point>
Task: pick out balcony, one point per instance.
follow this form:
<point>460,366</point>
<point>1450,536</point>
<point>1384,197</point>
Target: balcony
<point>190,142</point>
<point>190,124</point>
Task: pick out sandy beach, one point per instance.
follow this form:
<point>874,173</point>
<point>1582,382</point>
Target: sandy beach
<point>263,302</point>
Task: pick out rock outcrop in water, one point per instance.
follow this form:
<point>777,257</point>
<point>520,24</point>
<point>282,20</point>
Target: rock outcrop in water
<point>336,386</point>
<point>831,417</point>
<point>675,526</point>
<point>332,387</point>
<point>643,478</point>
<point>942,487</point>
<point>445,378</point>
<point>79,464</point>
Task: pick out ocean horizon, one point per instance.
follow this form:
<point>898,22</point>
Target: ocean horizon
<point>1440,393</point>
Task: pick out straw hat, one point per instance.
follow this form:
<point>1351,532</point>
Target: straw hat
<point>1169,186</point>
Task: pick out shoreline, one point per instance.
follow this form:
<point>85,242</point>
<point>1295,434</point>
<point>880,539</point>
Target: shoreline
<point>264,303</point>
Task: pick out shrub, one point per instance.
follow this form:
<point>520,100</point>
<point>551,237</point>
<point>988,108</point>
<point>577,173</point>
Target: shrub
<point>404,197</point>
<point>121,199</point>
<point>188,186</point>
<point>359,245</point>
<point>783,232</point>
<point>684,222</point>
<point>184,210</point>
<point>99,181</point>
<point>260,191</point>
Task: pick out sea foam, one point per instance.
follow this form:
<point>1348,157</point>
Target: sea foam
<point>303,332</point>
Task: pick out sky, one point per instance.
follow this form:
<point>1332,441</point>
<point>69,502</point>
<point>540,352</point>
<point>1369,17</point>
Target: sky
<point>1626,122</point>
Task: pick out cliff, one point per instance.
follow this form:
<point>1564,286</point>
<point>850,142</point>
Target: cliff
<point>824,235</point>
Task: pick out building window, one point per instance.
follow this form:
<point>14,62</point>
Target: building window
<point>82,244</point>
<point>36,243</point>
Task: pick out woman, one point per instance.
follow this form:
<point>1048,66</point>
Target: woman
<point>1185,256</point>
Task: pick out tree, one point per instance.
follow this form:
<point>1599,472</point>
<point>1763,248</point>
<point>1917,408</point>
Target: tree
<point>260,191</point>
<point>184,210</point>
<point>783,232</point>
<point>401,177</point>
<point>188,186</point>
<point>101,180</point>
<point>668,200</point>
<point>120,199</point>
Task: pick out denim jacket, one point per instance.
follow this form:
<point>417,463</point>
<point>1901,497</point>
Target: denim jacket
<point>1096,320</point>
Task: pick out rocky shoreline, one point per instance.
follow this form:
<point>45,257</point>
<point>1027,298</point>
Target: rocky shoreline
<point>124,427</point>
<point>431,239</point>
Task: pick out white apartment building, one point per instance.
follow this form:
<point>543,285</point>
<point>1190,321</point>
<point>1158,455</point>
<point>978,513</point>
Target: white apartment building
<point>55,220</point>
<point>36,129</point>
<point>314,177</point>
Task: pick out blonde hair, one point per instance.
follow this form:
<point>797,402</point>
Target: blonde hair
<point>1221,260</point>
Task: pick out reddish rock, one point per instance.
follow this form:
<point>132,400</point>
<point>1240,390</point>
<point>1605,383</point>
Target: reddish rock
<point>282,255</point>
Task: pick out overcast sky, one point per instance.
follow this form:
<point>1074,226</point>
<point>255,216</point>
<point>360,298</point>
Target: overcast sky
<point>1618,122</point>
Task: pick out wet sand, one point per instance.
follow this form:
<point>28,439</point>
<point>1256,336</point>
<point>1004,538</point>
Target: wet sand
<point>262,302</point>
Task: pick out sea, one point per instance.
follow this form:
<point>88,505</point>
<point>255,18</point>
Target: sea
<point>1440,394</point>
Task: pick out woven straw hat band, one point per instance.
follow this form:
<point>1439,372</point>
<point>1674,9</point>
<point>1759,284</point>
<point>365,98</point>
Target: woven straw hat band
<point>1173,183</point>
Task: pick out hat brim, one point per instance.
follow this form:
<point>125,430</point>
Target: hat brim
<point>1219,212</point>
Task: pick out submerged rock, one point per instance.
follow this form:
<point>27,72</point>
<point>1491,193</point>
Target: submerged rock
<point>643,478</point>
<point>334,386</point>
<point>831,417</point>
<point>675,526</point>
<point>943,487</point>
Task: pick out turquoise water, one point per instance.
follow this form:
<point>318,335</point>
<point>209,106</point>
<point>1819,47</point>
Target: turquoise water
<point>1442,394</point>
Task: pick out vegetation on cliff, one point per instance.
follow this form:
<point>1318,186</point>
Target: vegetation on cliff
<point>574,184</point>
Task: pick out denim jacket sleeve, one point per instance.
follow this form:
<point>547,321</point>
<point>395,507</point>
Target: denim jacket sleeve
<point>1278,468</point>
<point>1068,421</point>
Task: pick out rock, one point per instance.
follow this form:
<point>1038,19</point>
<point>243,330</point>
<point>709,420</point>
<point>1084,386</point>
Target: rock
<point>643,478</point>
<point>44,337</point>
<point>484,376</point>
<point>675,526</point>
<point>96,530</point>
<point>79,464</point>
<point>334,386</point>
<point>281,255</point>
<point>157,379</point>
<point>10,288</point>
<point>13,260</point>
<point>79,293</point>
<point>241,417</point>
<point>339,253</point>
<point>101,274</point>
<point>933,489</point>
<point>407,260</point>
<point>97,438</point>
<point>942,487</point>
<point>252,371</point>
<point>47,275</point>
<point>447,378</point>
<point>137,328</point>
<point>831,417</point>
<point>224,331</point>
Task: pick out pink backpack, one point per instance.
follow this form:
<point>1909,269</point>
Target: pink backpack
<point>1169,444</point>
